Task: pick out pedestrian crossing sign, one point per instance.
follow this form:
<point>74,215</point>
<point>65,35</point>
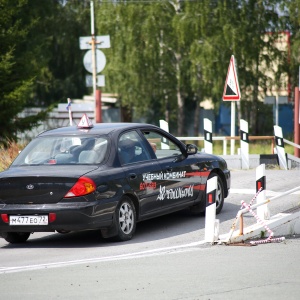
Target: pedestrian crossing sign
<point>231,88</point>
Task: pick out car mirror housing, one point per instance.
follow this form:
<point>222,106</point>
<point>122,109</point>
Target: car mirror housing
<point>191,149</point>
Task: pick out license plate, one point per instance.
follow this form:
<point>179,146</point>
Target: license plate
<point>28,220</point>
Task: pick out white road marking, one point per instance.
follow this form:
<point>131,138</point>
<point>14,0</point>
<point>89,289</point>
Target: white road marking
<point>166,250</point>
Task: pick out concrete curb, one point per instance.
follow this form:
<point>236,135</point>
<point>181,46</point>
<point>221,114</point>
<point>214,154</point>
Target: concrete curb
<point>282,224</point>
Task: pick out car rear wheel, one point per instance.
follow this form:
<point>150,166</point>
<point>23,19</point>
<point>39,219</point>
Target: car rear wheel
<point>15,237</point>
<point>126,219</point>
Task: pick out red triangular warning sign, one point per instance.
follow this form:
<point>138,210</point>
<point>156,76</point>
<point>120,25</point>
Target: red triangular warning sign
<point>231,88</point>
<point>85,122</point>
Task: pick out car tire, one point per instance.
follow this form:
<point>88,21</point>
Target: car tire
<point>199,209</point>
<point>219,192</point>
<point>15,237</point>
<point>125,217</point>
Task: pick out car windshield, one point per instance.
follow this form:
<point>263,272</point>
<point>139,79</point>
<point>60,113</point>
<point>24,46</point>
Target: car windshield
<point>63,150</point>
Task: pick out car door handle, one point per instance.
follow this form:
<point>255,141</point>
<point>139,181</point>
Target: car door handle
<point>132,176</point>
<point>169,169</point>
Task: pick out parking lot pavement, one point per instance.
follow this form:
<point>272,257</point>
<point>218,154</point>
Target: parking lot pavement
<point>203,271</point>
<point>269,271</point>
<point>276,180</point>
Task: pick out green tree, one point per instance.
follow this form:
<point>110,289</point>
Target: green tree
<point>248,30</point>
<point>148,62</point>
<point>290,21</point>
<point>40,59</point>
<point>165,56</point>
<point>63,75</point>
<point>16,76</point>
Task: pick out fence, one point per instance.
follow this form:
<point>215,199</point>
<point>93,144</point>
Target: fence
<point>225,139</point>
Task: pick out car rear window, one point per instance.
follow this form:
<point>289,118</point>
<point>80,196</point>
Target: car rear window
<point>64,150</point>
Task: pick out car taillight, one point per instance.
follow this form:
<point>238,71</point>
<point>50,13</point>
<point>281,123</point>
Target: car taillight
<point>52,217</point>
<point>4,218</point>
<point>83,186</point>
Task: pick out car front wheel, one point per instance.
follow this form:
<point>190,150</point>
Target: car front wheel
<point>219,193</point>
<point>126,219</point>
<point>15,237</point>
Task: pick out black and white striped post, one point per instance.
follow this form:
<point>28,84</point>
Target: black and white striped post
<point>244,132</point>
<point>208,143</point>
<point>262,211</point>
<point>280,147</point>
<point>211,224</point>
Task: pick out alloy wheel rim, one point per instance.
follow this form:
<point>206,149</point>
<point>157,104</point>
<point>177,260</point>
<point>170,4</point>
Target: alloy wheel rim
<point>218,195</point>
<point>126,218</point>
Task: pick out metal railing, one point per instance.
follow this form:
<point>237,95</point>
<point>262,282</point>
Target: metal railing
<point>291,143</point>
<point>225,139</point>
<point>242,211</point>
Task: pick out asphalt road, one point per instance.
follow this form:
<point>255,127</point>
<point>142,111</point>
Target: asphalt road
<point>167,259</point>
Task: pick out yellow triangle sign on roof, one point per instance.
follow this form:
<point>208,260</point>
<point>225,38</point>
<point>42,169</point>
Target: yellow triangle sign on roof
<point>85,122</point>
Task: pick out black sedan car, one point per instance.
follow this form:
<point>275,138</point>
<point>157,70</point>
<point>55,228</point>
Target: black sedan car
<point>105,177</point>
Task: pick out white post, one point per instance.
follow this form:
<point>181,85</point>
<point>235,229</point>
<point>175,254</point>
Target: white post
<point>208,144</point>
<point>276,110</point>
<point>165,126</point>
<point>244,144</point>
<point>262,211</point>
<point>210,212</point>
<point>232,142</point>
<point>280,147</point>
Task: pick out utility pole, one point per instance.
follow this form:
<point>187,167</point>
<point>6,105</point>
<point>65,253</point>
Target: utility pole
<point>94,74</point>
<point>94,62</point>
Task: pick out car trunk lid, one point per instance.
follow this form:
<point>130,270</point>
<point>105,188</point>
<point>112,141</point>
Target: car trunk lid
<point>37,185</point>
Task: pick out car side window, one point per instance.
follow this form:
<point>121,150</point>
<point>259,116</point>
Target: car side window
<point>131,148</point>
<point>161,145</point>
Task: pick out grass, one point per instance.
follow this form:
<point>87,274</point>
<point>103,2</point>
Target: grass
<point>7,155</point>
<point>257,147</point>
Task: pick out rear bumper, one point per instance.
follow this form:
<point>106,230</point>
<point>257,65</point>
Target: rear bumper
<point>68,217</point>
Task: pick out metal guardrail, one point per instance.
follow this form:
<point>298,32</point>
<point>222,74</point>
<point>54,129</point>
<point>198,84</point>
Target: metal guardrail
<point>228,138</point>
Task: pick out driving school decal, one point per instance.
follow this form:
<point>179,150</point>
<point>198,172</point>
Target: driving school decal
<point>149,183</point>
<point>176,193</point>
<point>163,176</point>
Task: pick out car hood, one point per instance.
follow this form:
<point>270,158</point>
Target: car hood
<point>37,184</point>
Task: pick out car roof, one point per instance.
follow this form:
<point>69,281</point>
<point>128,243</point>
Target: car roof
<point>98,128</point>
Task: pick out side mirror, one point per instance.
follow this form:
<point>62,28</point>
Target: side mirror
<point>191,149</point>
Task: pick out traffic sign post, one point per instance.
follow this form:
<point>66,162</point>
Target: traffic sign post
<point>100,61</point>
<point>232,93</point>
<point>94,61</point>
<point>85,42</point>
